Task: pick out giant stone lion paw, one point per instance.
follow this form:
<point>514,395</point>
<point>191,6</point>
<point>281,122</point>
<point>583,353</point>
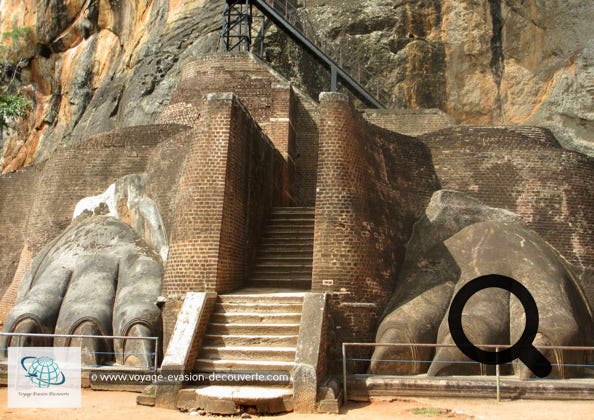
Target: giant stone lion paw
<point>98,277</point>
<point>460,240</point>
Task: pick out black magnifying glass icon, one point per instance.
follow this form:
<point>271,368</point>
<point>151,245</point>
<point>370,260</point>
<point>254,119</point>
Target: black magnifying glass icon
<point>523,349</point>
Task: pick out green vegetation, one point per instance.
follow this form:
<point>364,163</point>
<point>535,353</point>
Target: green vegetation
<point>15,48</point>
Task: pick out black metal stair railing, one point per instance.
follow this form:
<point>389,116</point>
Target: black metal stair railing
<point>294,22</point>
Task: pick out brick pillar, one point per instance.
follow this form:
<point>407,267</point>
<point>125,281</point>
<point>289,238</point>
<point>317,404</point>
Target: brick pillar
<point>194,246</point>
<point>339,193</point>
<point>349,225</point>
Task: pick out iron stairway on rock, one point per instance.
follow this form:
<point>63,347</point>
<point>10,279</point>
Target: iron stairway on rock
<point>236,35</point>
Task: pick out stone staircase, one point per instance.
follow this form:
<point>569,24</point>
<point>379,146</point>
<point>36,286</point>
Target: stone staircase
<point>284,256</point>
<point>249,333</point>
<point>255,331</point>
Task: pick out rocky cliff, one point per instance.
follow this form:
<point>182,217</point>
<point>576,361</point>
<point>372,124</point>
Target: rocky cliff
<point>98,64</point>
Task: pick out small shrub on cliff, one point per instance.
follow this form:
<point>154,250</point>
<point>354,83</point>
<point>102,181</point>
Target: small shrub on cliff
<point>15,51</point>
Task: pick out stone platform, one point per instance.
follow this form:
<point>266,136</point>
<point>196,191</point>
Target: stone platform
<point>362,387</point>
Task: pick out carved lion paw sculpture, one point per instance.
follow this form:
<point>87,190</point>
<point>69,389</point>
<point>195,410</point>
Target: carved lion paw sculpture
<point>459,240</point>
<point>99,277</point>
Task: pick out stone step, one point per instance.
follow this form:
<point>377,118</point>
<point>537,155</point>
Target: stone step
<point>288,227</point>
<point>255,318</point>
<point>228,399</point>
<point>297,221</point>
<point>290,242</point>
<point>207,365</point>
<point>285,251</point>
<point>259,307</point>
<point>299,238</point>
<point>284,277</point>
<point>262,298</point>
<point>250,340</point>
<point>283,267</point>
<point>281,275</point>
<point>286,354</point>
<point>253,329</point>
<point>278,283</point>
<point>294,232</point>
<point>268,259</point>
<point>306,211</point>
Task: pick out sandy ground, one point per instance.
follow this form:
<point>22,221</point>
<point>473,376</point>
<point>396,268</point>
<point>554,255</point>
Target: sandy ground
<point>122,405</point>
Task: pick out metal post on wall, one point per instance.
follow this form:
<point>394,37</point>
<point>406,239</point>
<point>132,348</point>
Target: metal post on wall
<point>333,79</point>
<point>345,397</point>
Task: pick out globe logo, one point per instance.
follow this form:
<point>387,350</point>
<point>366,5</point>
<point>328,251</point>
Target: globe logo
<point>43,371</point>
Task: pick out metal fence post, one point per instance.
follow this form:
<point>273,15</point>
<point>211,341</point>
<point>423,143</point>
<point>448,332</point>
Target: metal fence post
<point>156,354</point>
<point>498,376</point>
<point>344,375</point>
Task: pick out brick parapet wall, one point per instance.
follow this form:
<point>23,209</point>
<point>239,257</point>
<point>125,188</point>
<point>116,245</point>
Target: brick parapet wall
<point>372,185</point>
<point>524,170</point>
<point>163,173</point>
<point>229,182</point>
<point>17,194</point>
<point>264,93</point>
<point>243,74</point>
<point>8,299</point>
<point>412,122</point>
<point>281,131</point>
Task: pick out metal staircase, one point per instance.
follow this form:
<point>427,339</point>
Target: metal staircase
<point>237,29</point>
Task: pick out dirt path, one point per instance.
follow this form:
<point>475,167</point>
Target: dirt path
<point>122,405</point>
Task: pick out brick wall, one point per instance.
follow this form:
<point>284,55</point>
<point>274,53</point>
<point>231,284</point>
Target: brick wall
<point>229,182</point>
<point>412,122</point>
<point>269,100</point>
<point>163,173</point>
<point>372,186</point>
<point>8,299</point>
<point>88,168</point>
<point>306,116</point>
<point>523,169</point>
<point>17,193</point>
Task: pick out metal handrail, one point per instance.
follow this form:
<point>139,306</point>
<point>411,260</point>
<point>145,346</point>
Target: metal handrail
<point>118,337</point>
<point>496,347</point>
<point>302,30</point>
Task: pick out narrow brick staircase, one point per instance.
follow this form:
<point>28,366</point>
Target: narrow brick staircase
<point>285,253</point>
<point>248,333</point>
<point>255,330</point>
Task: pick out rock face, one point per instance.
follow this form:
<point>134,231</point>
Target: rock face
<point>100,65</point>
<point>459,240</point>
<point>481,61</point>
<point>99,278</point>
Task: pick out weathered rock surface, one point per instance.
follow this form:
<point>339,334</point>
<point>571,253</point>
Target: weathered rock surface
<point>100,65</point>
<point>461,239</point>
<point>98,277</point>
<point>481,61</point>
